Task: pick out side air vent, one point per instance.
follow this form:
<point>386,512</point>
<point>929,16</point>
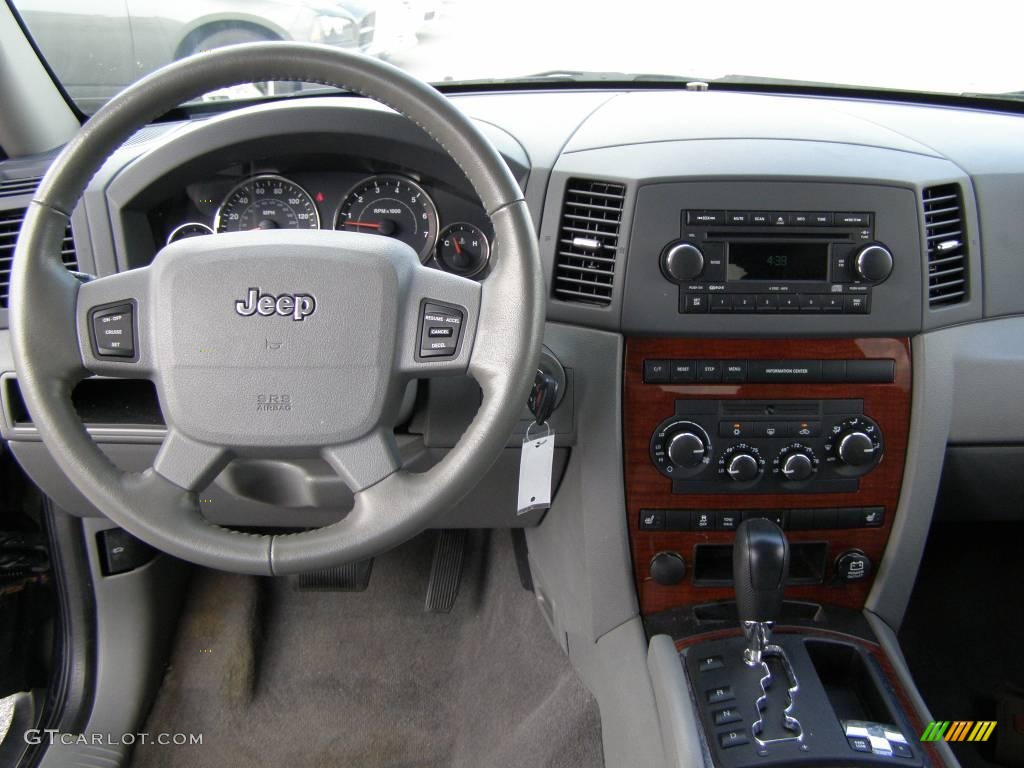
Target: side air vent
<point>12,187</point>
<point>10,225</point>
<point>947,245</point>
<point>588,241</point>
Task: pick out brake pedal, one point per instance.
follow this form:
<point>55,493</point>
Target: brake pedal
<point>351,577</point>
<point>446,571</point>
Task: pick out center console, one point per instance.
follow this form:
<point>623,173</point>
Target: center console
<point>811,434</point>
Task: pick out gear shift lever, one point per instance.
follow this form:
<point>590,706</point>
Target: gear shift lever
<point>760,563</point>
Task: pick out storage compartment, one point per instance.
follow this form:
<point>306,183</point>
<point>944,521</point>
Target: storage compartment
<point>712,563</point>
<point>110,402</point>
<point>849,682</point>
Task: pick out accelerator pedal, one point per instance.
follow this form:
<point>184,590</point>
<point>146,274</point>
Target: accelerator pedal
<point>351,577</point>
<point>446,571</point>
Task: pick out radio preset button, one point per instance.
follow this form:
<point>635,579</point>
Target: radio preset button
<point>810,303</point>
<point>767,302</point>
<point>743,302</point>
<point>832,302</point>
<point>789,303</point>
<point>721,302</point>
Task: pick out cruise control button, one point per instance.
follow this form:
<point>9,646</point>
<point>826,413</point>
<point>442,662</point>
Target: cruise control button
<point>441,328</point>
<point>113,330</point>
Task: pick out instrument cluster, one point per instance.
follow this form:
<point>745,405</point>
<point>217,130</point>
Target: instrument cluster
<point>447,229</point>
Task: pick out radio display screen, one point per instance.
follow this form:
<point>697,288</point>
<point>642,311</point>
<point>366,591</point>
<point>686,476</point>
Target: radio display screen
<point>778,262</point>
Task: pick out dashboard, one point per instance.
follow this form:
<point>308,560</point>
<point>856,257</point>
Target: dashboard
<point>771,280</point>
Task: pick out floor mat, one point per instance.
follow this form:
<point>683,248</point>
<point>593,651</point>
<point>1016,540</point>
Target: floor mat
<point>964,627</point>
<point>274,677</point>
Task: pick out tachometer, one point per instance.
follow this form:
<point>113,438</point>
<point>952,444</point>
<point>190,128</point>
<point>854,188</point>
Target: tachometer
<point>267,202</point>
<point>392,206</point>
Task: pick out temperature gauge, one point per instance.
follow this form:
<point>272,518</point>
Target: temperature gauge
<point>463,249</point>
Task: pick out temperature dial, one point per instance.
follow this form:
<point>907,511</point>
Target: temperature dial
<point>463,249</point>
<point>680,448</point>
<point>795,463</point>
<point>741,463</point>
<point>854,446</point>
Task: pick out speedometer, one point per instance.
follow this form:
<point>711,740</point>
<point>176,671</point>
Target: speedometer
<point>267,202</point>
<point>392,206</point>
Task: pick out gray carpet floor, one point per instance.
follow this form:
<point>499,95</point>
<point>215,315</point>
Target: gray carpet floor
<point>274,677</point>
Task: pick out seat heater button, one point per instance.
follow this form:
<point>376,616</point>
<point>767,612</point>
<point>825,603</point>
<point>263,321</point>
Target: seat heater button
<point>113,330</point>
<point>710,662</point>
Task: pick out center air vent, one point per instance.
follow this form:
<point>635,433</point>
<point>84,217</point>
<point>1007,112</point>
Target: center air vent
<point>588,241</point>
<point>947,245</point>
<point>10,225</point>
<point>13,187</point>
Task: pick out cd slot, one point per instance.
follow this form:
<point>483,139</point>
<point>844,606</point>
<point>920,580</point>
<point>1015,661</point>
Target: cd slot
<point>762,234</point>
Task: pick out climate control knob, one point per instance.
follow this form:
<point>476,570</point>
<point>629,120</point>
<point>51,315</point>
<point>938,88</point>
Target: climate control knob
<point>856,449</point>
<point>796,463</point>
<point>854,446</point>
<point>680,448</point>
<point>873,263</point>
<point>741,463</point>
<point>686,449</point>
<point>681,262</point>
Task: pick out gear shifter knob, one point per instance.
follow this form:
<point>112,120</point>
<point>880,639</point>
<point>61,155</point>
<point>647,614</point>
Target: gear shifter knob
<point>760,563</point>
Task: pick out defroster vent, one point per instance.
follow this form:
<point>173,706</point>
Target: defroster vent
<point>947,245</point>
<point>588,241</point>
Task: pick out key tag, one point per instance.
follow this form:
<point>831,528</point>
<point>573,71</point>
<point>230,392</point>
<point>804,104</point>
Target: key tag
<point>535,467</point>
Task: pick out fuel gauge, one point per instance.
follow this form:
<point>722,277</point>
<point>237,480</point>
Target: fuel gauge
<point>463,248</point>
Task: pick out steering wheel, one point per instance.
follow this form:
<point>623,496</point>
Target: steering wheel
<point>276,343</point>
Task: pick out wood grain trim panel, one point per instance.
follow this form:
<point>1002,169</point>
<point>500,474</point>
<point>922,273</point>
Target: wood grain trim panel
<point>646,405</point>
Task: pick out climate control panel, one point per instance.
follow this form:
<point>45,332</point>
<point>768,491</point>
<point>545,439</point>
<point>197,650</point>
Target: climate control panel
<point>761,446</point>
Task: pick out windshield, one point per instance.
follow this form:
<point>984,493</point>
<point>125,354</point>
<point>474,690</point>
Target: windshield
<point>96,47</point>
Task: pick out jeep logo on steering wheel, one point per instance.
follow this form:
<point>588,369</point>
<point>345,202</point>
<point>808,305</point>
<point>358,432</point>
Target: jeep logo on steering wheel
<point>298,306</point>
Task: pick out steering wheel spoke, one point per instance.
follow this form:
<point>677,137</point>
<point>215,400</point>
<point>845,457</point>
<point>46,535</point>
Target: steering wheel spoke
<point>439,324</point>
<point>114,333</point>
<point>189,464</point>
<point>365,462</point>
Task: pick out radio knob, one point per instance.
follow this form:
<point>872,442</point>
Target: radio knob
<point>687,449</point>
<point>682,262</point>
<point>873,263</point>
<point>743,467</point>
<point>856,449</point>
<point>797,467</point>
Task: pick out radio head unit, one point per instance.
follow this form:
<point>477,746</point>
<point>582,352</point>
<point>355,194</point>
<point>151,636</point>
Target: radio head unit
<point>760,261</point>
